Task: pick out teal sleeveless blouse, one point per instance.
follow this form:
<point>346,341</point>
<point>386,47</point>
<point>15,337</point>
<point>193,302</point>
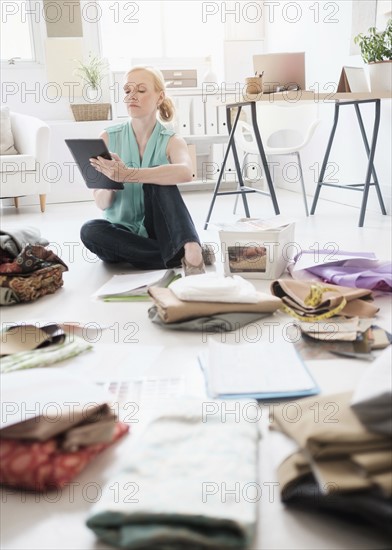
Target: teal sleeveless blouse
<point>127,207</point>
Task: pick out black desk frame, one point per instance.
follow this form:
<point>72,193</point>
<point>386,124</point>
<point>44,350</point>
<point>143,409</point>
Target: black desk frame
<point>243,190</point>
<point>370,154</point>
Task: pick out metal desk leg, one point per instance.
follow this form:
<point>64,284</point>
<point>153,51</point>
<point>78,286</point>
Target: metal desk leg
<point>229,145</point>
<point>326,157</point>
<point>236,161</point>
<point>370,154</point>
<point>264,158</point>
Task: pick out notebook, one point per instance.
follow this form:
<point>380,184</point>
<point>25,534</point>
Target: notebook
<point>84,149</point>
<point>280,70</point>
<point>260,370</point>
<point>133,287</point>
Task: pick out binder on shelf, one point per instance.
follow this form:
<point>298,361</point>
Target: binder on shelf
<point>222,120</point>
<point>197,116</point>
<point>183,121</point>
<point>211,118</point>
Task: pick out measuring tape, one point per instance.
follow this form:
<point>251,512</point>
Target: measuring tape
<point>314,299</point>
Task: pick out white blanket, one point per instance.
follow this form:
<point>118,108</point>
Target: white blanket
<point>212,287</point>
<point>191,481</point>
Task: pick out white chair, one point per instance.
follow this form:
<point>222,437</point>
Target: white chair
<point>285,129</point>
<point>26,173</point>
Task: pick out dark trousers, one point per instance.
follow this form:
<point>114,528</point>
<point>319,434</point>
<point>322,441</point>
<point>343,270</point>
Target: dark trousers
<point>167,221</point>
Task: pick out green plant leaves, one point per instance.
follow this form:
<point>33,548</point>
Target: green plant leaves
<point>376,46</point>
<point>92,72</point>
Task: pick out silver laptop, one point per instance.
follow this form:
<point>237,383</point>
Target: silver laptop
<point>281,70</point>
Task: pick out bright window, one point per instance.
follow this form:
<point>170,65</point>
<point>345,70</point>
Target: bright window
<point>158,29</point>
<point>17,32</point>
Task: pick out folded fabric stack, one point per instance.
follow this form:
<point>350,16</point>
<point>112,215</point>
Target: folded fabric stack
<point>34,272</point>
<point>52,426</point>
<point>210,301</point>
<point>186,476</point>
<point>341,466</point>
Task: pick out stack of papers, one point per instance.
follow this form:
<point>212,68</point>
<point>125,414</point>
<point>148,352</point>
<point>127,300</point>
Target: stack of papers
<point>261,370</point>
<point>131,287</point>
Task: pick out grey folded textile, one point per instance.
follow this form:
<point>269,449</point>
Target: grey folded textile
<point>185,482</point>
<point>223,322</point>
<point>8,297</point>
<point>15,240</point>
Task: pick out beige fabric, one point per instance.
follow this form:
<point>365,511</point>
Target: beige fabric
<point>171,309</point>
<point>327,427</point>
<point>333,476</point>
<point>292,469</point>
<point>83,427</point>
<point>384,482</point>
<point>293,293</point>
<point>339,476</point>
<point>6,138</point>
<point>368,463</point>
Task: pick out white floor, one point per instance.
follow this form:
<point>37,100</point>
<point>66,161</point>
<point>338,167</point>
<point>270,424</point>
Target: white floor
<point>334,226</point>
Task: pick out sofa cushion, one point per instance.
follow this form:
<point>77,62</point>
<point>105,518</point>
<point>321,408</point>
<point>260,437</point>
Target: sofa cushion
<point>6,138</point>
<point>16,163</point>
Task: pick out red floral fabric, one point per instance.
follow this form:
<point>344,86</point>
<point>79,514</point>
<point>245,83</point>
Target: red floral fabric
<point>41,466</point>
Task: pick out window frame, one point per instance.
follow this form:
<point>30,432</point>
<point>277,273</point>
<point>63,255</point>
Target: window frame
<point>37,32</point>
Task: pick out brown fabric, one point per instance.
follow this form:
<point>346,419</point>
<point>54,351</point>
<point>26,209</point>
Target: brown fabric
<point>34,272</point>
<point>171,309</point>
<point>339,476</point>
<point>333,476</point>
<point>293,294</point>
<point>28,288</point>
<point>384,482</point>
<point>78,427</point>
<point>292,469</point>
<point>327,427</point>
<point>369,463</point>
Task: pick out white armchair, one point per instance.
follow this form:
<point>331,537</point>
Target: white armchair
<point>26,173</point>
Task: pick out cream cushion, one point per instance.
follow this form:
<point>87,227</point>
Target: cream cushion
<point>6,138</point>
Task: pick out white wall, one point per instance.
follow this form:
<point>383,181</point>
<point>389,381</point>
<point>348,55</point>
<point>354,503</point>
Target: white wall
<point>322,29</point>
<point>325,37</point>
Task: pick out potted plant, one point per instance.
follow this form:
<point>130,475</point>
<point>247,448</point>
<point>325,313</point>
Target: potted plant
<point>92,73</point>
<point>376,51</point>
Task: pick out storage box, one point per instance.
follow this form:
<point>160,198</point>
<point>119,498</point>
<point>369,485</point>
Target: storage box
<point>180,78</point>
<point>257,249</point>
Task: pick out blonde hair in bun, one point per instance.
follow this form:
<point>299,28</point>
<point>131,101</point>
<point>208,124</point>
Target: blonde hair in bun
<point>166,108</point>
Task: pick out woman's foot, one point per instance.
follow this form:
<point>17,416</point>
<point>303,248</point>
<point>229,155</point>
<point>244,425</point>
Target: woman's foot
<point>193,262</point>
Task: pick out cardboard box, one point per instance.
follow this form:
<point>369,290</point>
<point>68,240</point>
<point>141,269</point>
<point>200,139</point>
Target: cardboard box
<point>257,249</point>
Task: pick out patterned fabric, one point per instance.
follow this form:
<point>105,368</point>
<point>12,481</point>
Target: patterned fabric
<point>41,466</point>
<point>35,272</point>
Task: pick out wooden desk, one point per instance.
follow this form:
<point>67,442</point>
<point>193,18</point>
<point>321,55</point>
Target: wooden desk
<point>340,99</point>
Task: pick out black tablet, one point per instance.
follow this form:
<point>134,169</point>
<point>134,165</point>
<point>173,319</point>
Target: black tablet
<point>82,151</point>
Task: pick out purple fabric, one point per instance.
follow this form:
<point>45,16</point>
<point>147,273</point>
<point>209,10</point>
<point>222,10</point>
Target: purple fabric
<point>360,270</point>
